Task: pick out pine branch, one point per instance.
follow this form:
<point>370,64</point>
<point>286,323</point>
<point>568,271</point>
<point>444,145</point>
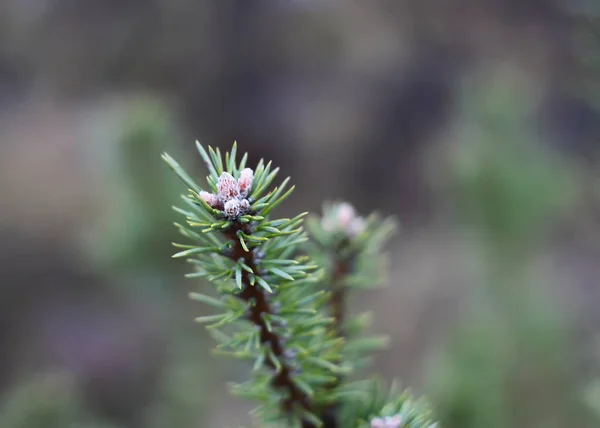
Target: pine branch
<point>275,311</point>
<point>337,307</point>
<point>266,292</point>
<point>350,246</point>
<point>259,309</point>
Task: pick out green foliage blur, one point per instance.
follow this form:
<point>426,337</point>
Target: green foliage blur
<point>47,401</point>
<point>510,362</point>
<point>128,245</point>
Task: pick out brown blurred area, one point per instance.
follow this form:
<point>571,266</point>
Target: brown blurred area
<point>353,99</point>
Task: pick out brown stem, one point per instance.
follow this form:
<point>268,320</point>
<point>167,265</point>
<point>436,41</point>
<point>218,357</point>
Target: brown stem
<point>259,306</point>
<point>338,296</point>
<point>337,305</point>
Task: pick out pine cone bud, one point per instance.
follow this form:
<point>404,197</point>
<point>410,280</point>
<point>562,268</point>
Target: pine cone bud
<point>387,422</point>
<point>345,215</point>
<point>210,199</point>
<point>228,187</point>
<point>232,208</point>
<point>343,218</point>
<point>357,226</point>
<point>245,181</point>
<point>244,206</point>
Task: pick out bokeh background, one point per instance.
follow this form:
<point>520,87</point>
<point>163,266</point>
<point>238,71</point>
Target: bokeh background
<point>474,122</point>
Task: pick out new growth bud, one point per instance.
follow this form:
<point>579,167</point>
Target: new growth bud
<point>343,218</point>
<point>356,227</point>
<point>231,198</point>
<point>387,422</point>
<point>244,205</point>
<point>228,187</point>
<point>345,215</point>
<point>210,199</point>
<point>245,182</point>
<point>232,208</point>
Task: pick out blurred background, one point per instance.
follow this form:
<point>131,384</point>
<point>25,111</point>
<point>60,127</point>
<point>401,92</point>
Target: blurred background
<point>474,122</point>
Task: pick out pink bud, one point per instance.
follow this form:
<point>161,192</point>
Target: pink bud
<point>378,423</point>
<point>245,182</point>
<point>387,422</point>
<point>356,227</point>
<point>394,421</point>
<point>345,215</point>
<point>244,205</point>
<point>343,218</point>
<point>228,187</point>
<point>210,199</point>
<point>232,208</point>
